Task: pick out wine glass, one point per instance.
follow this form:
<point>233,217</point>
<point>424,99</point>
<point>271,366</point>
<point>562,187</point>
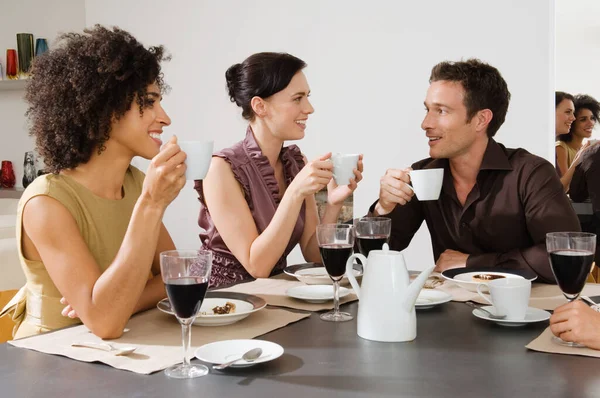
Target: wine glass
<point>185,274</point>
<point>372,233</point>
<point>571,256</point>
<point>335,244</point>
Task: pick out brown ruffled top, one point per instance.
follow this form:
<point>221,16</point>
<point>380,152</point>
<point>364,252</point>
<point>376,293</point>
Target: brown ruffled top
<point>256,176</point>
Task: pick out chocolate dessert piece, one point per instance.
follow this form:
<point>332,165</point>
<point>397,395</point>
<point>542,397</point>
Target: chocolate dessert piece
<point>486,277</point>
<point>228,308</point>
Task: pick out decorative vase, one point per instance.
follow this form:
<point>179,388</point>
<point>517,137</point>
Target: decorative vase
<point>25,50</point>
<point>11,64</point>
<point>41,46</point>
<point>29,173</point>
<point>7,178</point>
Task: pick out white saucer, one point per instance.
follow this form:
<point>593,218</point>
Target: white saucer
<point>429,298</point>
<point>533,315</point>
<point>315,293</point>
<point>228,350</point>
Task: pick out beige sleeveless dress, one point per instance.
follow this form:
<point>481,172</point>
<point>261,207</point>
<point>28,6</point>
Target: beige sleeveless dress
<point>102,223</point>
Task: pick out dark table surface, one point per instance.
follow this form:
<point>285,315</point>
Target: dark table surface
<point>455,355</point>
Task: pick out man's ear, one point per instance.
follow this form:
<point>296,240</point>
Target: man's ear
<point>483,119</point>
<point>259,106</point>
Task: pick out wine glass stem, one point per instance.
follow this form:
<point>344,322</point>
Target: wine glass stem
<point>186,335</point>
<point>336,297</point>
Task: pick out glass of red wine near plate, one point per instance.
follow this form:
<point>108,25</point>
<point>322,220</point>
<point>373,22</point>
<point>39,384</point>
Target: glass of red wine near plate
<point>335,244</point>
<point>185,274</point>
<point>571,255</point>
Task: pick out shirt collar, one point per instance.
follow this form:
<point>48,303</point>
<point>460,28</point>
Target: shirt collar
<point>494,157</point>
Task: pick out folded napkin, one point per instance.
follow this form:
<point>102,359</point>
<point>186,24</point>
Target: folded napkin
<point>157,338</point>
<point>543,343</point>
<point>273,291</point>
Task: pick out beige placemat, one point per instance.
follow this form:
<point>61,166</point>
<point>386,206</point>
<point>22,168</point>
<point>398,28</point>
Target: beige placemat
<point>273,289</point>
<point>548,297</point>
<point>157,337</point>
<point>543,343</point>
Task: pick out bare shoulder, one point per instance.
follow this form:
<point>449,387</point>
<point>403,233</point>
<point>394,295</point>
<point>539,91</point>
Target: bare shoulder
<point>42,211</point>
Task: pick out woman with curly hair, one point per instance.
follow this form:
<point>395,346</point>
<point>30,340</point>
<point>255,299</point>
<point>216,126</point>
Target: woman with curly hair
<point>258,199</point>
<point>570,146</point>
<point>91,231</point>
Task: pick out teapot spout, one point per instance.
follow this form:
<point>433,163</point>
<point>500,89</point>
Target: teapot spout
<point>412,293</point>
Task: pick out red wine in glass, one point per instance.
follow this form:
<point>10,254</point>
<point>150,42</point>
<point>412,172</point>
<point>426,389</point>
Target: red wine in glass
<point>334,258</point>
<point>571,268</point>
<point>366,243</point>
<point>186,295</point>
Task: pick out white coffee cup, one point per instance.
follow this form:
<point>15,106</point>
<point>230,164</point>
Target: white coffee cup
<point>343,164</point>
<point>199,154</point>
<point>509,296</point>
<point>427,183</point>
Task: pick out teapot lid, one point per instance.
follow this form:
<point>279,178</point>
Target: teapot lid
<point>384,251</point>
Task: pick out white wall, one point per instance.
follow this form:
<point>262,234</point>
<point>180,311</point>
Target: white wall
<point>42,18</point>
<point>577,48</point>
<point>369,63</point>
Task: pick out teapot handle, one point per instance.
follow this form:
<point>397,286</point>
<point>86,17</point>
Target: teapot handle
<point>350,271</point>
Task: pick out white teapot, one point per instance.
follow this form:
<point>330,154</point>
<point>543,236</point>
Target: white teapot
<point>386,309</point>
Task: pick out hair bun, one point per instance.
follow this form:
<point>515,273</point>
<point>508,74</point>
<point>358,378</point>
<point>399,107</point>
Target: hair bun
<point>232,78</point>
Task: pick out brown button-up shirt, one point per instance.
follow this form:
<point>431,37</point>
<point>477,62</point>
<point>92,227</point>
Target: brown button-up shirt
<point>516,200</point>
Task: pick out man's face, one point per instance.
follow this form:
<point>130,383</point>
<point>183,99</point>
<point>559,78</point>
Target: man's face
<point>445,124</point>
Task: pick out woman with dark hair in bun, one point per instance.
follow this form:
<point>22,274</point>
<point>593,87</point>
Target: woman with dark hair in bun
<point>257,201</point>
<point>91,231</point>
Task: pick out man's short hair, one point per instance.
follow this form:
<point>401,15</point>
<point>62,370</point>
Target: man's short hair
<point>484,86</point>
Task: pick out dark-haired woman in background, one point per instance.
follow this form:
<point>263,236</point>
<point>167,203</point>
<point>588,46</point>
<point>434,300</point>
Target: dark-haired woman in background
<point>570,146</point>
<point>91,231</point>
<point>257,201</point>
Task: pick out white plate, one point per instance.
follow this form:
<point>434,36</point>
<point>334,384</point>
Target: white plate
<point>464,276</point>
<point>429,298</point>
<point>228,350</point>
<point>317,275</point>
<point>315,293</point>
<point>533,315</point>
<point>245,304</point>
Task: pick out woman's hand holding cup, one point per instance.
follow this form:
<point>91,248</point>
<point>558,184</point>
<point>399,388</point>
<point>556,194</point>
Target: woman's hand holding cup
<point>313,177</point>
<point>165,176</point>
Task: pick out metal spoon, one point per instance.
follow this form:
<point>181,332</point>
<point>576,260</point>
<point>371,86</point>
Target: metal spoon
<point>249,356</point>
<point>490,315</point>
<point>105,347</point>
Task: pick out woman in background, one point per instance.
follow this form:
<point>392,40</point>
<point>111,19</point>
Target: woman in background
<point>258,199</point>
<point>570,146</point>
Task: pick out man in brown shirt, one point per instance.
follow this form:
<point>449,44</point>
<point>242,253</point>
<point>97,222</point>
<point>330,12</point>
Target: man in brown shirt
<point>496,204</point>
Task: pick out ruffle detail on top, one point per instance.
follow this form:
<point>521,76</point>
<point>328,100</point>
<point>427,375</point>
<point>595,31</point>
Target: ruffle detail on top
<point>291,158</point>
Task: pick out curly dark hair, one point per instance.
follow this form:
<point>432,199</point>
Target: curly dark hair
<point>484,86</point>
<point>581,101</point>
<point>260,75</point>
<point>78,88</point>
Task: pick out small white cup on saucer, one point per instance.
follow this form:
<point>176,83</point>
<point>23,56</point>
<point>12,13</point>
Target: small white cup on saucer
<point>427,183</point>
<point>343,164</point>
<point>199,155</point>
<point>509,296</point>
